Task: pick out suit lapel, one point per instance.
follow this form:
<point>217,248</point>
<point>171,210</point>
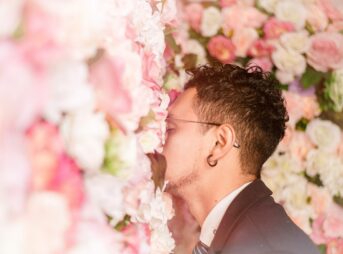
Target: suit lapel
<point>254,192</point>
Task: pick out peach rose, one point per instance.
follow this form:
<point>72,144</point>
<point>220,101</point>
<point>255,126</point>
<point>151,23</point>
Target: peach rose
<point>241,16</point>
<point>332,8</point>
<point>274,28</point>
<point>317,18</point>
<point>222,48</point>
<point>326,51</point>
<point>243,39</point>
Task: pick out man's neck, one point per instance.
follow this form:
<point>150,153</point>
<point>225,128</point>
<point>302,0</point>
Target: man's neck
<point>202,200</point>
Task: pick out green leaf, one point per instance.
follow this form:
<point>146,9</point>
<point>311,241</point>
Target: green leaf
<point>314,179</point>
<point>338,200</point>
<point>170,41</point>
<point>322,248</point>
<point>302,124</point>
<point>311,77</point>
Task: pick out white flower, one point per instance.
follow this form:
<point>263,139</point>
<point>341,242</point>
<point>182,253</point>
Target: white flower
<point>84,135</point>
<point>296,41</point>
<point>284,77</point>
<point>69,90</point>
<point>317,161</point>
<point>105,192</point>
<point>332,176</point>
<point>289,61</point>
<point>325,134</point>
<point>148,27</point>
<point>194,47</point>
<point>46,223</point>
<point>335,89</point>
<point>10,14</point>
<point>149,140</point>
<point>291,11</point>
<point>162,241</point>
<point>211,21</point>
<point>155,209</point>
<point>268,5</point>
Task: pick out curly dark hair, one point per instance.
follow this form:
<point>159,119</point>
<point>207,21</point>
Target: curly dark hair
<point>247,98</point>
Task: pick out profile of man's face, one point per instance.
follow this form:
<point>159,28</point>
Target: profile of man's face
<point>183,148</point>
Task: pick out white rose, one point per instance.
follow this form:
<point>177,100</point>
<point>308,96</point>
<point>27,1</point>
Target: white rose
<point>296,41</point>
<point>335,89</point>
<point>211,21</point>
<point>325,134</point>
<point>194,47</point>
<point>289,61</point>
<point>284,77</point>
<point>332,176</point>
<point>268,5</point>
<point>162,241</point>
<point>10,14</point>
<point>291,11</point>
<point>317,161</point>
<point>105,192</point>
<point>84,135</point>
<point>69,90</point>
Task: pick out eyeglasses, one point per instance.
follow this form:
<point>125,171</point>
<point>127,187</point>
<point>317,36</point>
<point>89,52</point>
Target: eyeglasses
<point>209,123</point>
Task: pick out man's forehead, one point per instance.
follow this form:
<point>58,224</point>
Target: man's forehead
<point>183,105</point>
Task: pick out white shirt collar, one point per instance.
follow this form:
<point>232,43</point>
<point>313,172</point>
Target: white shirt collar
<point>215,216</point>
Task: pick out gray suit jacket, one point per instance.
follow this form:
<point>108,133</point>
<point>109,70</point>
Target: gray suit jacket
<point>255,224</point>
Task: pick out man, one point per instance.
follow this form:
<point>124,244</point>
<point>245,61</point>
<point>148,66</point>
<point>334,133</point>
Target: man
<point>220,131</point>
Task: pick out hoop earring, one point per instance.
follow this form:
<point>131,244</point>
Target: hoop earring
<point>211,164</point>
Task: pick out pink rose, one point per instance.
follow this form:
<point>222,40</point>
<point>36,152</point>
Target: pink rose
<point>317,235</point>
<point>222,48</point>
<point>261,48</point>
<point>264,62</point>
<point>241,16</point>
<point>333,9</point>
<point>326,51</point>
<point>273,28</point>
<point>336,26</point>
<point>243,39</point>
<point>193,14</point>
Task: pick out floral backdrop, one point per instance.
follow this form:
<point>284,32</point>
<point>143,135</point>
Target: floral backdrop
<point>81,114</point>
<point>301,44</point>
<point>84,88</point>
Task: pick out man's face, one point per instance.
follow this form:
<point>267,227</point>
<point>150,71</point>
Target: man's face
<point>184,146</point>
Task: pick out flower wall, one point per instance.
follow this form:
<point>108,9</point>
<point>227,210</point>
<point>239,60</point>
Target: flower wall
<point>301,44</point>
<point>81,105</point>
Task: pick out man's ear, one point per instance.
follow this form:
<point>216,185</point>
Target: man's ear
<point>225,139</point>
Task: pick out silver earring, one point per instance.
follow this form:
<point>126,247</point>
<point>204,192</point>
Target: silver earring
<point>213,163</point>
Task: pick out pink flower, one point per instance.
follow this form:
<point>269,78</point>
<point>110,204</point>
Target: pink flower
<point>333,224</point>
<point>273,28</point>
<point>300,106</point>
<point>222,48</point>
<point>336,26</point>
<point>317,235</point>
<point>316,17</point>
<point>45,148</point>
<point>193,14</point>
<point>136,238</point>
<point>107,76</point>
<point>261,48</point>
<point>264,62</point>
<point>326,51</point>
<point>333,9</point>
<point>227,3</point>
<point>241,16</point>
<point>335,246</point>
<point>243,39</point>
